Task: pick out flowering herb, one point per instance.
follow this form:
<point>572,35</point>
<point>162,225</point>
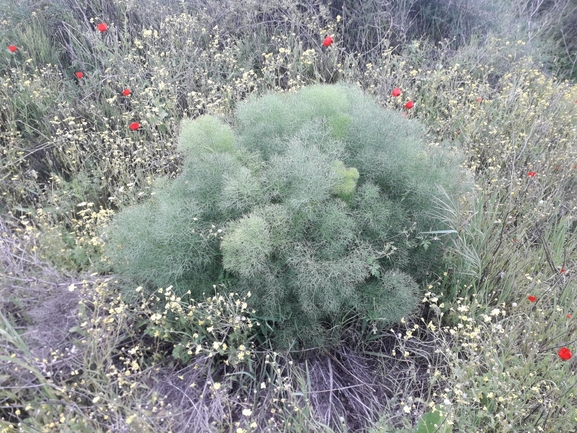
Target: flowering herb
<point>396,92</point>
<point>532,173</point>
<point>12,48</point>
<point>531,298</point>
<point>134,126</point>
<point>563,270</point>
<point>102,27</point>
<point>565,354</point>
<point>328,41</point>
<point>79,75</point>
<point>126,92</point>
<point>409,105</point>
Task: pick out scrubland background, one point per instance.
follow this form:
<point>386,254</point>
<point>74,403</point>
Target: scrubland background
<point>495,77</point>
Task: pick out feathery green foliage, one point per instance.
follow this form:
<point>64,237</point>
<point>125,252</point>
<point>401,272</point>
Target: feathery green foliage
<point>315,206</point>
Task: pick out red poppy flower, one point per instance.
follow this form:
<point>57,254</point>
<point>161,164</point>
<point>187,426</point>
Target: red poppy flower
<point>563,270</point>
<point>102,27</point>
<point>126,92</point>
<point>568,315</point>
<point>79,75</point>
<point>134,126</point>
<point>396,92</point>
<point>565,354</point>
<point>12,48</point>
<point>479,99</point>
<point>531,298</point>
<point>409,105</point>
<point>328,41</point>
<point>532,173</point>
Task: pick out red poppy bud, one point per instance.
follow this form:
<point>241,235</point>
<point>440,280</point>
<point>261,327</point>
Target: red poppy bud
<point>126,92</point>
<point>102,27</point>
<point>134,126</point>
<point>79,75</point>
<point>532,173</point>
<point>409,105</point>
<point>328,41</point>
<point>531,298</point>
<point>396,92</point>
<point>565,354</point>
<point>12,48</point>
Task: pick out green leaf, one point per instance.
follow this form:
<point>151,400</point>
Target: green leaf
<point>433,422</point>
<point>77,330</point>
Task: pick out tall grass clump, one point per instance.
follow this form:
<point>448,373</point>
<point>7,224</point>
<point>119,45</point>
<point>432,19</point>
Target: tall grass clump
<point>316,202</point>
<point>369,27</point>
